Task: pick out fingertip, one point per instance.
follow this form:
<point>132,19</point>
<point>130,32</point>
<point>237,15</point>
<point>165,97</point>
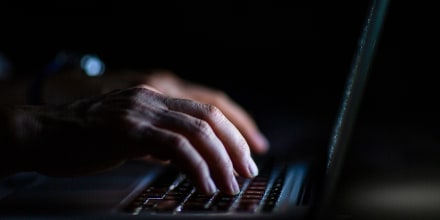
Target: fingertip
<point>234,188</point>
<point>252,168</point>
<point>261,143</point>
<point>206,186</point>
<point>210,187</point>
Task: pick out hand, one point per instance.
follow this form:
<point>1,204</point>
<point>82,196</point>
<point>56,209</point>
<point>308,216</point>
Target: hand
<point>101,132</point>
<point>170,84</point>
<point>65,87</point>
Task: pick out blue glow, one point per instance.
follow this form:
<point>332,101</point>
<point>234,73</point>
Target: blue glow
<point>92,65</point>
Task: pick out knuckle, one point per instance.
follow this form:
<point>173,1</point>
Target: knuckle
<point>202,130</point>
<point>138,92</point>
<point>129,92</point>
<point>178,141</point>
<point>201,126</point>
<point>211,111</point>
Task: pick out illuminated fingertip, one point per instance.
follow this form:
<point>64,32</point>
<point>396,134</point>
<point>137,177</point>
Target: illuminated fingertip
<point>252,168</point>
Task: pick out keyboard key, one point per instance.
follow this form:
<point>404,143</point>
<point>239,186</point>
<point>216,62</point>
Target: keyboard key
<point>178,195</point>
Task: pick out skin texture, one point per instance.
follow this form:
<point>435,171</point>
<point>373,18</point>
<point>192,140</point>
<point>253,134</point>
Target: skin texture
<point>170,84</point>
<point>64,87</point>
<point>198,129</point>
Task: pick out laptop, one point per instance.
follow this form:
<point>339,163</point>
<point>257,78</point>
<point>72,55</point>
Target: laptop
<point>287,186</point>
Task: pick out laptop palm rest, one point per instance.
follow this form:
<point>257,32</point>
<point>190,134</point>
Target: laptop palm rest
<point>33,193</point>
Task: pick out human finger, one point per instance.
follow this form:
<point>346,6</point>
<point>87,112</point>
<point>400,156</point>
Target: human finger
<point>235,113</point>
<point>233,141</point>
<point>167,145</point>
<point>172,85</point>
<point>202,137</point>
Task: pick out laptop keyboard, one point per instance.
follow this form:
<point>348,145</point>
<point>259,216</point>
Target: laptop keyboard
<point>173,193</point>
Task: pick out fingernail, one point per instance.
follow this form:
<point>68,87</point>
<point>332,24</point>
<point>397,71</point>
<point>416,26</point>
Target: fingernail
<point>234,187</point>
<point>210,187</point>
<point>252,168</point>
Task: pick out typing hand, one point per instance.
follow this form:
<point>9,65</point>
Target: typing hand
<point>104,131</point>
<point>170,84</point>
<point>64,87</point>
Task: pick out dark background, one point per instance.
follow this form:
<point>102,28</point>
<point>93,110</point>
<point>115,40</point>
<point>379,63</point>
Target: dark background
<point>291,56</point>
<point>277,57</point>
